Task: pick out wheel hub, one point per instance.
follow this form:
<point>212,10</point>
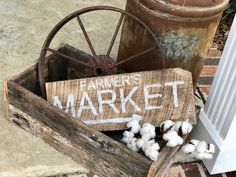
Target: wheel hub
<point>101,65</point>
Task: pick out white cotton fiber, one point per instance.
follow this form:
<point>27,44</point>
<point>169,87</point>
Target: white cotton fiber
<point>203,155</point>
<point>148,128</point>
<point>177,126</point>
<point>169,135</point>
<point>151,150</point>
<point>147,145</point>
<point>201,147</point>
<point>194,142</point>
<point>134,125</point>
<point>172,138</point>
<point>166,125</point>
<point>146,137</point>
<point>155,146</point>
<point>127,136</point>
<point>210,148</point>
<point>140,143</point>
<point>186,127</point>
<point>188,148</point>
<point>133,145</point>
<point>153,155</point>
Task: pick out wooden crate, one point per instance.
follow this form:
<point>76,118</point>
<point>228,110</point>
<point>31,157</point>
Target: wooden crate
<point>94,150</point>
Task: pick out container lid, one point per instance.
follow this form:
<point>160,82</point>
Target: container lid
<point>195,3</point>
<point>188,8</point>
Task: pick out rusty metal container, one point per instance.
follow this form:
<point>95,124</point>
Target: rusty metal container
<point>185,29</point>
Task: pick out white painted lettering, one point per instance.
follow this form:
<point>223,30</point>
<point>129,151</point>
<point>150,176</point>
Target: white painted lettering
<point>137,79</point>
<point>110,102</point>
<point>125,80</point>
<point>82,84</point>
<point>108,82</point>
<point>99,84</point>
<point>117,82</point>
<point>174,90</point>
<point>70,105</point>
<point>128,98</point>
<point>148,96</point>
<point>56,102</point>
<point>90,105</point>
<point>91,85</point>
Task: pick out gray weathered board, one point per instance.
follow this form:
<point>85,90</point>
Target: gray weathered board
<point>109,102</point>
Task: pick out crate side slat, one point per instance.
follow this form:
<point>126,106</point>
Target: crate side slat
<point>96,151</point>
<point>165,160</point>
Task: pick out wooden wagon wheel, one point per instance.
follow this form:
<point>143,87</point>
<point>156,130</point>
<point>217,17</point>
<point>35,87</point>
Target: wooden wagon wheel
<point>101,64</point>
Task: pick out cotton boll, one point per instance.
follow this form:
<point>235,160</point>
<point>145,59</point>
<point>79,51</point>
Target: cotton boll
<point>203,155</point>
<point>194,142</point>
<point>148,128</point>
<point>153,155</point>
<point>127,136</point>
<point>140,143</point>
<point>171,143</point>
<point>134,125</point>
<point>201,147</point>
<point>170,135</point>
<point>186,128</point>
<point>151,150</point>
<point>155,147</point>
<point>146,137</point>
<point>210,148</point>
<point>144,130</point>
<point>177,126</point>
<point>151,146</point>
<point>173,139</point>
<point>133,145</point>
<point>147,145</point>
<point>125,140</point>
<point>152,133</point>
<point>179,140</point>
<point>188,148</point>
<point>166,125</point>
<point>147,149</point>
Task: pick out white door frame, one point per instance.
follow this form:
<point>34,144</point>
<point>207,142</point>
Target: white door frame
<point>217,121</point>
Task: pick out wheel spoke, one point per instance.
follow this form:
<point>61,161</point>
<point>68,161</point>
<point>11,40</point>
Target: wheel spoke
<point>135,56</point>
<point>115,34</point>
<point>70,58</point>
<point>86,36</point>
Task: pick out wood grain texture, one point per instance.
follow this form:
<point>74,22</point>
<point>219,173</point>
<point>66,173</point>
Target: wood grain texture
<point>94,150</point>
<point>164,162</point>
<point>86,146</point>
<point>126,83</point>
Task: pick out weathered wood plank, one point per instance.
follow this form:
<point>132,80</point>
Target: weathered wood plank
<point>165,160</point>
<point>106,102</point>
<point>76,70</point>
<point>91,148</point>
<point>5,99</point>
<point>58,69</point>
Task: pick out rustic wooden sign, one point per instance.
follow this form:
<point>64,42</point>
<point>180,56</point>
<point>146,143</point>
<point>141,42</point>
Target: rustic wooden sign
<point>109,102</point>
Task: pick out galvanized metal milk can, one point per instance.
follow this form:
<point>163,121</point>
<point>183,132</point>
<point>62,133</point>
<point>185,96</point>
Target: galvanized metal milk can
<point>184,28</point>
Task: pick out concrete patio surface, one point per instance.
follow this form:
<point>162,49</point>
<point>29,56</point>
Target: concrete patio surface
<point>23,29</point>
